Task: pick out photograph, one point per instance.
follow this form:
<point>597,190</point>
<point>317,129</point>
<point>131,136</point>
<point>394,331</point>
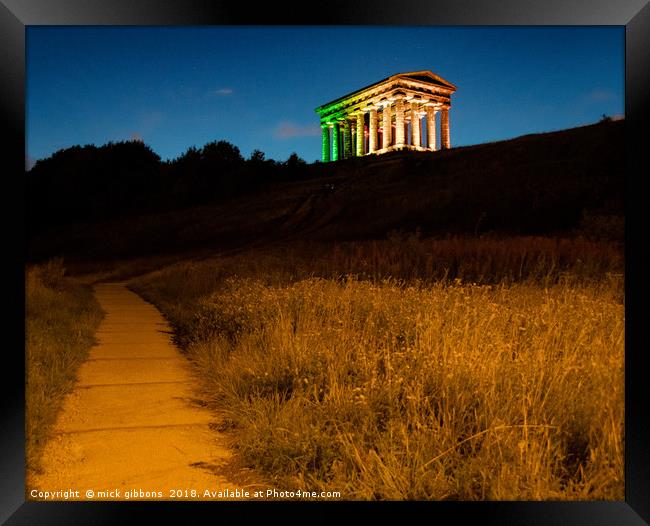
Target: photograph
<point>340,263</point>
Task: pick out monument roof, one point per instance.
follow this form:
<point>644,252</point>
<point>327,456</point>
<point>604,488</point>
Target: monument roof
<point>425,76</point>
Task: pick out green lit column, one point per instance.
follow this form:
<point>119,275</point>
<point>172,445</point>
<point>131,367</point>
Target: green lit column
<point>335,141</point>
<point>399,122</point>
<point>360,134</point>
<point>415,125</point>
<point>372,140</point>
<point>326,142</point>
<point>431,128</point>
<point>347,139</point>
<point>387,126</point>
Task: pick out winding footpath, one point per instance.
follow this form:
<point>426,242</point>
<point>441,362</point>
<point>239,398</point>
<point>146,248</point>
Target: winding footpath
<point>133,423</point>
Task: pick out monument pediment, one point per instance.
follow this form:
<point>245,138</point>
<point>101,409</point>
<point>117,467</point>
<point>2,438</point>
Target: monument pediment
<point>425,76</point>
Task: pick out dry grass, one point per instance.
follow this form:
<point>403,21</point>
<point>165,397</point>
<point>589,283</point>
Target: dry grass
<point>543,260</point>
<point>419,388</point>
<point>60,320</point>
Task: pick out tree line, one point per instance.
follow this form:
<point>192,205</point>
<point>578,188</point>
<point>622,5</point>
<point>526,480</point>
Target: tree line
<point>92,183</point>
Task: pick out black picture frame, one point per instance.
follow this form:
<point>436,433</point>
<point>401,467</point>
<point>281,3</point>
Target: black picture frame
<point>15,15</point>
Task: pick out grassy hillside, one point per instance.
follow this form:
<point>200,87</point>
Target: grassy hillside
<point>537,184</point>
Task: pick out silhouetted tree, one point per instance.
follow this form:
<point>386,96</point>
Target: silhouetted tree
<point>184,176</point>
<point>87,183</point>
<point>294,167</point>
<point>257,156</point>
<point>222,154</point>
<point>294,161</point>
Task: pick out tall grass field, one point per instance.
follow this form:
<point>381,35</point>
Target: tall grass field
<point>458,369</point>
<point>479,362</point>
<point>61,317</point>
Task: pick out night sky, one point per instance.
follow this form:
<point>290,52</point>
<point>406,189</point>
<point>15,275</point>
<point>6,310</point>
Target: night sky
<point>257,87</point>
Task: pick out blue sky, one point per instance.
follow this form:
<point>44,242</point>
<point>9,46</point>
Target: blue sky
<point>258,86</point>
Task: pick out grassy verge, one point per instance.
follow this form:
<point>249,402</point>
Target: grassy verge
<point>61,319</point>
<point>510,387</point>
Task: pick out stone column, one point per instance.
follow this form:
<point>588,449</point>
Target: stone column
<point>360,134</point>
<point>445,143</point>
<point>347,139</point>
<point>326,142</point>
<point>415,125</point>
<point>431,128</point>
<point>399,122</point>
<point>335,142</point>
<point>387,125</point>
<point>372,141</point>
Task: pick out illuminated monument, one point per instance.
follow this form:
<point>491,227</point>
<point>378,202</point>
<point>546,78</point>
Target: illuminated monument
<point>387,116</point>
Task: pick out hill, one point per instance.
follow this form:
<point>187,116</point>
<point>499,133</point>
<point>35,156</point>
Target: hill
<point>544,184</point>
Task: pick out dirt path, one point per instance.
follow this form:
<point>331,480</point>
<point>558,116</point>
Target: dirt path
<point>133,421</point>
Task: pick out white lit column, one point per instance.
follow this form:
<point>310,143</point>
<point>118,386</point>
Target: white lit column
<point>360,134</point>
<point>399,122</point>
<point>445,143</point>
<point>431,128</point>
<point>387,125</point>
<point>415,125</point>
<point>372,141</point>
